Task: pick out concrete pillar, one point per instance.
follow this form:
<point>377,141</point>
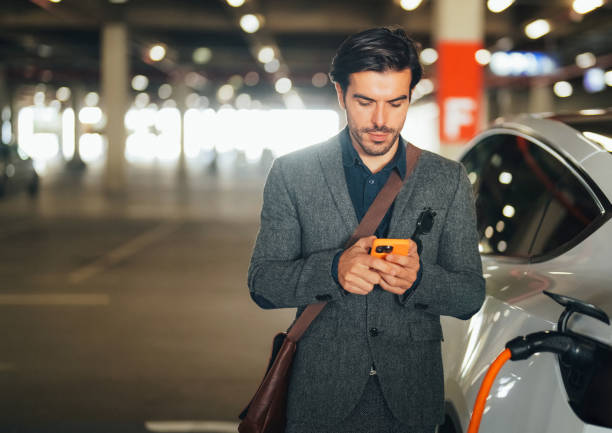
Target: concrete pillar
<point>458,32</point>
<point>541,97</point>
<point>115,82</point>
<point>78,102</point>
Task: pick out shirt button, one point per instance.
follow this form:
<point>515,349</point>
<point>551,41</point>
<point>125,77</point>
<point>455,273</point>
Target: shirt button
<point>373,332</point>
<point>371,181</point>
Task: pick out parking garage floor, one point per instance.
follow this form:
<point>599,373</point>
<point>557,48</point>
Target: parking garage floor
<point>130,312</point>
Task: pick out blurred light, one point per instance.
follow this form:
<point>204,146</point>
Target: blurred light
<point>319,79</point>
<point>236,81</point>
<point>563,89</point>
<point>500,226</point>
<point>249,23</point>
<point>157,52</point>
<point>90,115</point>
<point>55,1</point>
<point>585,60</point>
<point>7,131</point>
<point>480,248</point>
<point>497,6</point>
<point>142,100</point>
<point>293,100</point>
<point>502,246</point>
<point>251,78</point>
<point>283,85</point>
<point>594,80</point>
<point>55,104</point>
<point>6,113</point>
<point>424,87</point>
<point>473,177</point>
<point>243,101</point>
<point>410,5</point>
<point>39,98</point>
<point>92,99</point>
<point>608,78</point>
<point>235,3</point>
<point>266,54</point>
<point>195,80</point>
<point>505,178</point>
<point>483,56</point>
<point>272,66</point>
<point>202,55</point>
<point>140,83</point>
<point>68,133</point>
<point>225,93</point>
<point>586,6</point>
<point>519,63</point>
<point>192,100</point>
<point>604,141</point>
<point>117,2</point>
<point>429,56</point>
<point>536,29</point>
<point>169,103</point>
<point>592,112</point>
<point>489,232</point>
<point>63,94</point>
<point>91,147</point>
<point>164,91</point>
<point>508,211</point>
<point>504,44</point>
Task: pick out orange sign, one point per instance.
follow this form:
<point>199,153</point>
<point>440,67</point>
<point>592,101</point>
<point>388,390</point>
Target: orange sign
<point>459,90</point>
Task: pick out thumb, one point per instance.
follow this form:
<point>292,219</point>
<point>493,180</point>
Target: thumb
<point>366,242</point>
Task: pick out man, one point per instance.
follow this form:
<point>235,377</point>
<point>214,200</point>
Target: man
<point>370,362</point>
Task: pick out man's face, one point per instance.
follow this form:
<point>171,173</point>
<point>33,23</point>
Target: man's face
<point>376,104</point>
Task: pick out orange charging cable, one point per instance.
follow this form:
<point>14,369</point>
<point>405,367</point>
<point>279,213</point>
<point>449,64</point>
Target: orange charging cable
<point>483,393</point>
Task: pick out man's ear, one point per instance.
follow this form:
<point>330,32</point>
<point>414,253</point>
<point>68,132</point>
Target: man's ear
<point>341,95</point>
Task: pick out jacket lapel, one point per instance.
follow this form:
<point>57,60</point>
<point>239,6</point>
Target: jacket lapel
<point>330,156</point>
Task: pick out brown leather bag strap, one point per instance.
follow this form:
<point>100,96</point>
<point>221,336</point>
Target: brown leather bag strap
<point>370,221</point>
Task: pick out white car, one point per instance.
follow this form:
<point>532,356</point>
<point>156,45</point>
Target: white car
<point>543,187</point>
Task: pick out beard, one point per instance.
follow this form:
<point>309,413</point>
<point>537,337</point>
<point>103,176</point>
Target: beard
<point>374,148</point>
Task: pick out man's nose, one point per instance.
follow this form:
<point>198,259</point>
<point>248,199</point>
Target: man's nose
<point>378,116</point>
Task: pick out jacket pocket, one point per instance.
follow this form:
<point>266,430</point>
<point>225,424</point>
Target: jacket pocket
<point>426,330</point>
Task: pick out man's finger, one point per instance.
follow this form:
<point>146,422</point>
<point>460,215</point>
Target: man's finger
<point>392,289</point>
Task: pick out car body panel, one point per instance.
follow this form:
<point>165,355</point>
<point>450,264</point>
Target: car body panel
<point>530,395</point>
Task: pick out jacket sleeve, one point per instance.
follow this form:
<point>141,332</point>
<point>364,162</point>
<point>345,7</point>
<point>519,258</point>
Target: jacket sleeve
<point>454,285</point>
<point>279,275</point>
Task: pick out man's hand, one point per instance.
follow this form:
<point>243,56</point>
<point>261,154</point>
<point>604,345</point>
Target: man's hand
<point>402,271</point>
<point>354,268</point>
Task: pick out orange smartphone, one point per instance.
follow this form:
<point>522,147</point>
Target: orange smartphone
<point>382,247</point>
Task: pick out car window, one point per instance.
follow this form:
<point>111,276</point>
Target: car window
<point>514,181</point>
<point>570,211</point>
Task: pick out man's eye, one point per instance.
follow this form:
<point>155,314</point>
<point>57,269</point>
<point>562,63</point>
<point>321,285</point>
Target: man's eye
<point>396,105</point>
<point>364,103</point>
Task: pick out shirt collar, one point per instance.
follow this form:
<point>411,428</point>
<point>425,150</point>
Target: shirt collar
<point>350,157</point>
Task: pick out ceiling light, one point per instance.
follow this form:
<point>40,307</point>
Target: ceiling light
<point>55,1</point>
<point>157,52</point>
<point>429,56</point>
<point>140,83</point>
<point>410,5</point>
<point>586,6</point>
<point>251,78</point>
<point>608,77</point>
<point>63,94</point>
<point>164,91</point>
<point>202,55</point>
<point>483,56</point>
<point>249,23</point>
<point>272,66</point>
<point>225,93</point>
<point>586,60</point>
<point>594,80</point>
<point>508,211</point>
<point>603,140</point>
<point>497,6</point>
<point>235,3</point>
<point>283,85</point>
<point>266,54</point>
<point>536,29</point>
<point>92,99</point>
<point>563,89</point>
<point>319,79</point>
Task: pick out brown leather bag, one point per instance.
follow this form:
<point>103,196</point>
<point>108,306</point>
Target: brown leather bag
<point>266,413</point>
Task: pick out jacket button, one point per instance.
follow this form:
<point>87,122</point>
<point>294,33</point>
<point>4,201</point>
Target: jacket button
<point>373,332</point>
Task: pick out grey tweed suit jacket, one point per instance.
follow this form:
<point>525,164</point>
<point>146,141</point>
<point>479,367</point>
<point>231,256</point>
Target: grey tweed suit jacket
<point>306,218</point>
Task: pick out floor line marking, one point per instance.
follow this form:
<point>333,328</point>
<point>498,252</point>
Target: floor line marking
<point>62,299</point>
<point>192,426</point>
<point>122,252</point>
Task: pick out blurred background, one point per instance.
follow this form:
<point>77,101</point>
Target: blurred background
<point>135,140</point>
